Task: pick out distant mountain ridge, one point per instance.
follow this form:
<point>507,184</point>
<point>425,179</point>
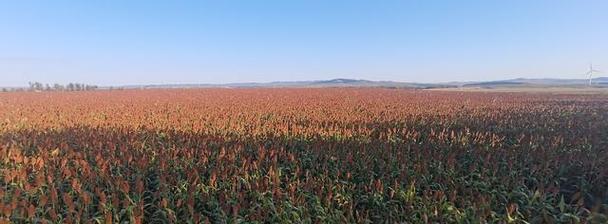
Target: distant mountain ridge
<point>339,82</point>
<point>342,82</point>
<point>546,82</point>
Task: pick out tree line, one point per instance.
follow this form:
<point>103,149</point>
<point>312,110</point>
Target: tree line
<point>37,86</point>
<point>40,87</point>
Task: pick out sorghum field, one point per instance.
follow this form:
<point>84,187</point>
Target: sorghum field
<point>328,155</point>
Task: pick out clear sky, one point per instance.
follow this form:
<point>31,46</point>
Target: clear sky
<point>115,42</point>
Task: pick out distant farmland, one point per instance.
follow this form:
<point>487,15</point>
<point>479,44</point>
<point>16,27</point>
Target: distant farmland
<point>302,155</point>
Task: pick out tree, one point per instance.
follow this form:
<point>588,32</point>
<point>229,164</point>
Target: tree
<point>58,87</point>
<point>90,87</point>
<point>36,86</point>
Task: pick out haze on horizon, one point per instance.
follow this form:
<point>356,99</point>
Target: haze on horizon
<point>157,42</point>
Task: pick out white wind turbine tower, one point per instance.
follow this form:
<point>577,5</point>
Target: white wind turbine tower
<point>590,73</point>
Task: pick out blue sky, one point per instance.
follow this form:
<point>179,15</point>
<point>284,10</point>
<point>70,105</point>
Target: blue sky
<point>118,42</point>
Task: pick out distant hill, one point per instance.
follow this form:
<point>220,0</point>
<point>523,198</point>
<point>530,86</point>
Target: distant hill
<point>600,82</point>
<point>549,82</point>
<point>301,84</point>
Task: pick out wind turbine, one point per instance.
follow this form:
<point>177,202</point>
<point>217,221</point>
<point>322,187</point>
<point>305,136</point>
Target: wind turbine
<point>590,73</point>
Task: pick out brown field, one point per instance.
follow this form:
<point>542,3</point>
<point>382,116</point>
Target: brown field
<point>337,155</point>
